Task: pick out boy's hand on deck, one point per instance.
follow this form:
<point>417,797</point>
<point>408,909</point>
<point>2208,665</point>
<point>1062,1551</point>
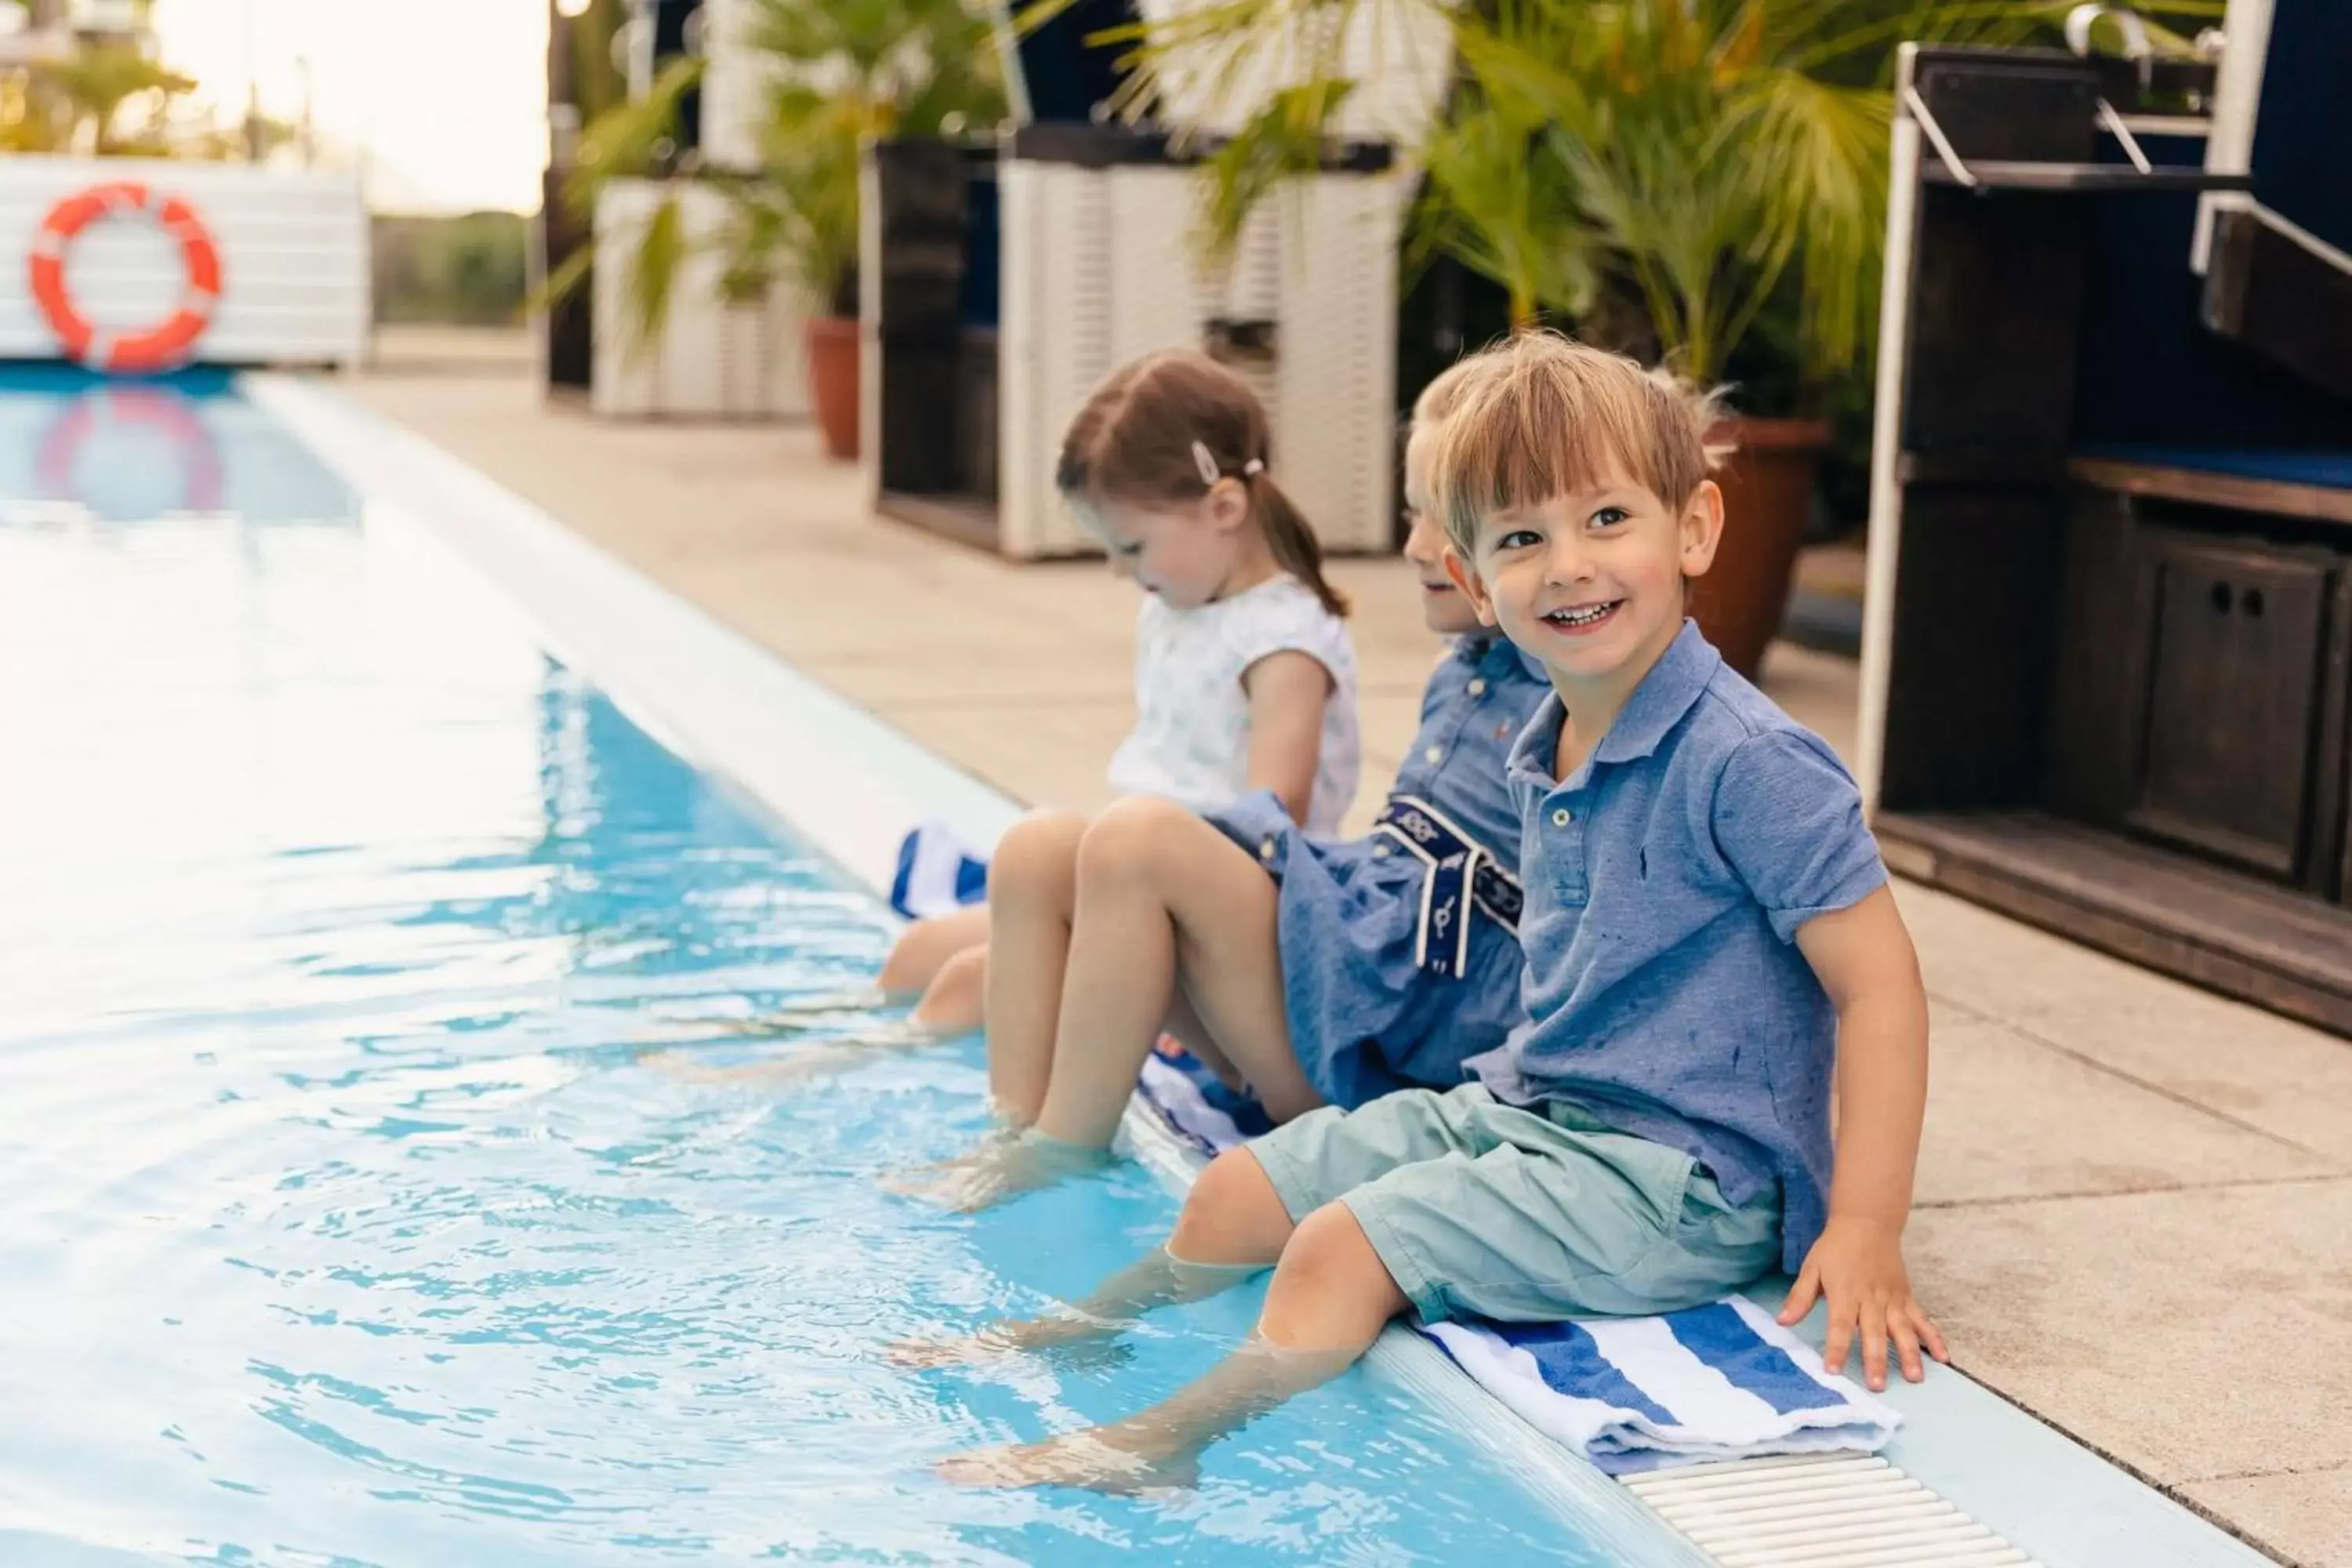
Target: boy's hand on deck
<point>1858,1266</point>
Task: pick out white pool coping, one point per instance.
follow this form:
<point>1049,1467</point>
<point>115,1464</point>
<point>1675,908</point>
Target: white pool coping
<point>851,786</point>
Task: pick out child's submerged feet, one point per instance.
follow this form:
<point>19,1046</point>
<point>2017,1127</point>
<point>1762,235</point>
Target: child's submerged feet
<point>800,1013</point>
<point>1067,1330</point>
<point>1119,1460</point>
<point>1160,1447</point>
<point>815,1059</point>
<point>999,1170</point>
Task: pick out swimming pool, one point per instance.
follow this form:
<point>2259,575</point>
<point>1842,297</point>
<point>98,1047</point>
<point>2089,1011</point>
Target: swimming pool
<point>356,1224</point>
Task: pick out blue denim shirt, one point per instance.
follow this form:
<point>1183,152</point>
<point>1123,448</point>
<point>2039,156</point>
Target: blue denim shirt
<point>1476,702</point>
<point>1366,1018</point>
<point>1666,880</point>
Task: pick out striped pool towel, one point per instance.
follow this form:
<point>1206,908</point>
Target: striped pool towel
<point>1194,1104</point>
<point>1718,1382</point>
<point>938,873</point>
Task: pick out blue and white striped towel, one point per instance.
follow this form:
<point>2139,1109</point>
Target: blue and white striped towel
<point>1718,1382</point>
<point>938,873</point>
<point>1196,1107</point>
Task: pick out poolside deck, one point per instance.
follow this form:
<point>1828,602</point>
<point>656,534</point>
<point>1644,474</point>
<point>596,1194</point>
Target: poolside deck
<point>2127,1185</point>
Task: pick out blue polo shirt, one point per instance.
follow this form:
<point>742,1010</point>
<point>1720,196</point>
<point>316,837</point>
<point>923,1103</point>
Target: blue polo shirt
<point>1666,880</point>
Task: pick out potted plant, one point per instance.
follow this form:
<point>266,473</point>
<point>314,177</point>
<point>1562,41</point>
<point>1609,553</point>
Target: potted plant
<point>1663,176</point>
<point>798,222</point>
<point>846,73</point>
<point>839,73</point>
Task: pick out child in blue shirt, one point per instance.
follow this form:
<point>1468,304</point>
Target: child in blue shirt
<point>1708,933</point>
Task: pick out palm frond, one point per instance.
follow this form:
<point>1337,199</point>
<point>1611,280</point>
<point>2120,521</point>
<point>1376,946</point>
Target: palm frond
<point>626,140</point>
<point>650,280</point>
<point>565,280</point>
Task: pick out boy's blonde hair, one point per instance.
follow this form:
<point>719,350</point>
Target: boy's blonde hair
<point>1438,398</point>
<point>1539,416</point>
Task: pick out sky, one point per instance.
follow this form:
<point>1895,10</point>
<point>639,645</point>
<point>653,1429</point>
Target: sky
<point>446,96</point>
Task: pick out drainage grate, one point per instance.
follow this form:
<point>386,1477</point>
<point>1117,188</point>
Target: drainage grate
<point>1844,1512</point>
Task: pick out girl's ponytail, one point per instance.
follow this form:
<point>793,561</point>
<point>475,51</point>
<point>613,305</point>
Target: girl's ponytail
<point>1292,542</point>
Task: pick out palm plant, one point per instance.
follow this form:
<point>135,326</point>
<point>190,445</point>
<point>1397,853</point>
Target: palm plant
<point>841,73</point>
<point>632,140</point>
<point>108,100</point>
<point>1706,157</point>
<point>1495,197</point>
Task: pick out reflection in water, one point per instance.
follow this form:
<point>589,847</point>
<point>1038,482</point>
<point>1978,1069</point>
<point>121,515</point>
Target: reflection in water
<point>113,435</point>
<point>77,447</point>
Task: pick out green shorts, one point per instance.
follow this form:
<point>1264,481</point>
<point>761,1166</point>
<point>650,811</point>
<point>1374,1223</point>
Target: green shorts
<point>1481,1209</point>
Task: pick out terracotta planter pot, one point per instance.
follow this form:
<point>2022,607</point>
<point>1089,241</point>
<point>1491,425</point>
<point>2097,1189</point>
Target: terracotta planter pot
<point>833,353</point>
<point>1767,496</point>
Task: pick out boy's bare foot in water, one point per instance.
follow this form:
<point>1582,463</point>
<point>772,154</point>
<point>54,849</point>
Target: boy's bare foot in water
<point>1162,1446</point>
<point>1157,1279</point>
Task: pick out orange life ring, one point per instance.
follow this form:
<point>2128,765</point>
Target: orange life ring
<point>160,347</point>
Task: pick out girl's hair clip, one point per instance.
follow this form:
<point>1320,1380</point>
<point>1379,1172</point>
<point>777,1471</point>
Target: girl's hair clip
<point>1206,462</point>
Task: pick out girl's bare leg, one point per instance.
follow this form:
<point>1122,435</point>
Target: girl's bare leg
<point>1159,893</point>
<point>1033,889</point>
<point>1162,895</point>
<point>955,1002</point>
<point>924,948</point>
<point>1185,1027</point>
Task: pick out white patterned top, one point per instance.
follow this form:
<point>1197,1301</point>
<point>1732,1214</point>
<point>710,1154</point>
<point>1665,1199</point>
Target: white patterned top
<point>1190,740</point>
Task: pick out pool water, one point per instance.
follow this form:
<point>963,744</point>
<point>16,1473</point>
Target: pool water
<point>352,1223</point>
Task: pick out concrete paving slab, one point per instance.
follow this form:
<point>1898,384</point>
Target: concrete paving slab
<point>2028,1482</point>
<point>2187,1334</point>
<point>2302,1516</point>
<point>2259,1070</point>
<point>2009,1118</point>
<point>1052,755</point>
<point>1818,692</point>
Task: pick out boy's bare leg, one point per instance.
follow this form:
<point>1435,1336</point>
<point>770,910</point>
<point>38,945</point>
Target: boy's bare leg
<point>1232,1227</point>
<point>1033,889</point>
<point>924,948</point>
<point>1330,1297</point>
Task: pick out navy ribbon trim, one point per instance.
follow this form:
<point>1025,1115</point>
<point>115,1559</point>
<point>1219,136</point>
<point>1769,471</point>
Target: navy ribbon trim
<point>1463,876</point>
